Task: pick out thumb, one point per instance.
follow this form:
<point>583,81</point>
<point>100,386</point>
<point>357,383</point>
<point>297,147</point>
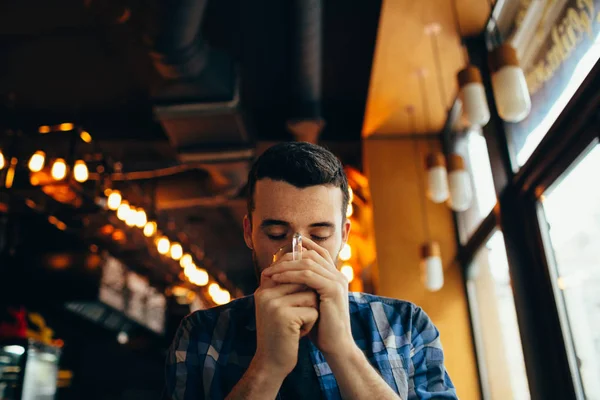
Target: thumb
<point>266,282</point>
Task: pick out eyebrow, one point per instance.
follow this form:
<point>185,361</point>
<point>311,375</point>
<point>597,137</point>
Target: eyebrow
<point>276,222</point>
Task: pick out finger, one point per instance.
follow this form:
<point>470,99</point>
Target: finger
<point>266,282</point>
<point>306,254</point>
<point>303,265</point>
<point>319,259</point>
<point>311,245</point>
<point>276,291</point>
<point>309,278</point>
<point>299,299</point>
<point>305,317</point>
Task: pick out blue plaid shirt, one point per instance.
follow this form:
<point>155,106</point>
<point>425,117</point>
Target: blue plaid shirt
<point>213,348</point>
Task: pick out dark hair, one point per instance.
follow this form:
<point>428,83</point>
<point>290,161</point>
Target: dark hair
<point>300,164</point>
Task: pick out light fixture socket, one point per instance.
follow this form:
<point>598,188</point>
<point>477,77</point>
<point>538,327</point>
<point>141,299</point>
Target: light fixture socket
<point>435,159</point>
<point>456,163</point>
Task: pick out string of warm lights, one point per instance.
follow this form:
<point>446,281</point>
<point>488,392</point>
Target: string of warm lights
<point>59,169</point>
<point>136,217</point>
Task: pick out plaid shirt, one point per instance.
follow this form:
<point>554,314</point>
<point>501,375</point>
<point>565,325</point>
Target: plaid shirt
<point>213,348</point>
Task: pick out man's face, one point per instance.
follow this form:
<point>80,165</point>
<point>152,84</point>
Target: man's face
<point>282,209</point>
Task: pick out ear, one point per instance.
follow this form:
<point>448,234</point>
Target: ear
<point>346,230</point>
<point>248,232</point>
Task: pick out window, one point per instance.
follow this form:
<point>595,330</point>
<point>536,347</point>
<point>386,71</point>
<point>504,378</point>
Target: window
<point>474,150</point>
<point>495,326</point>
<point>570,212</point>
<point>558,44</point>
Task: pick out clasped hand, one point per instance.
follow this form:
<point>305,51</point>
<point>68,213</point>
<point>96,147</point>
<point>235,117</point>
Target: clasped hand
<point>299,297</point>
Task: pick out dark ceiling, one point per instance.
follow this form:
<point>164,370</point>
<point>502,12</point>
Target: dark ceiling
<point>89,62</point>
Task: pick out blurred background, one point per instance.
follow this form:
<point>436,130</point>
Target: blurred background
<point>468,130</point>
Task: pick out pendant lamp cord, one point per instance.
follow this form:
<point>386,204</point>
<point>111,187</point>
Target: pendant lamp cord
<point>438,66</point>
<point>463,47</point>
<point>426,109</point>
<point>420,180</point>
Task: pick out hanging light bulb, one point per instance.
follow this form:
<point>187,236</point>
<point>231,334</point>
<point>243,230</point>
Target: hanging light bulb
<point>123,211</point>
<point>346,252</point>
<point>509,84</point>
<point>65,127</point>
<point>59,169</point>
<point>114,200</point>
<point>348,272</point>
<point>437,178</point>
<point>190,272</point>
<point>37,160</point>
<point>201,278</point>
<point>163,245</point>
<point>472,95</point>
<point>186,260</point>
<point>176,251</point>
<point>80,171</point>
<point>140,218</point>
<point>10,174</point>
<point>150,228</point>
<point>2,160</point>
<point>222,297</point>
<point>131,217</point>
<point>432,272</point>
<point>461,193</point>
<point>213,289</point>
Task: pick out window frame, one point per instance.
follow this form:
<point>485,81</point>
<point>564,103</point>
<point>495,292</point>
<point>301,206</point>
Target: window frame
<point>545,349</point>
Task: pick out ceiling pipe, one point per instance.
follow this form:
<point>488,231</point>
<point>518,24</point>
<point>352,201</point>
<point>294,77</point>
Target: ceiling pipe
<point>179,50</point>
<point>306,120</point>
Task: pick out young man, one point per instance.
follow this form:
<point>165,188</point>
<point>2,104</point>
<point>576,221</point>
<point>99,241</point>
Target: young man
<point>302,335</point>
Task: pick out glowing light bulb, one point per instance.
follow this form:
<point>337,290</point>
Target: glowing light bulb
<point>189,271</point>
<point>163,245</point>
<point>213,289</point>
<point>186,260</point>
<point>346,252</point>
<point>131,217</point>
<point>221,297</point>
<point>59,169</point>
<point>114,200</point>
<point>348,272</point>
<point>80,171</point>
<point>349,211</point>
<point>123,211</point>
<point>67,126</point>
<point>85,136</point>
<point>2,160</point>
<point>201,278</point>
<point>37,160</point>
<point>140,218</point>
<point>150,229</point>
<point>176,251</point>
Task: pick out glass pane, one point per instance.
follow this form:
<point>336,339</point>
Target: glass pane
<point>495,323</point>
<point>572,211</point>
<point>557,43</point>
<point>475,152</point>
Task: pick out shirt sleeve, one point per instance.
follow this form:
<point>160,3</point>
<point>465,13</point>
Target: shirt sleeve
<point>185,360</point>
<point>431,380</point>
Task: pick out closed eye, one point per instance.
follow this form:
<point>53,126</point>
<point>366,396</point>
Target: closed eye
<point>276,237</point>
<point>319,238</point>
